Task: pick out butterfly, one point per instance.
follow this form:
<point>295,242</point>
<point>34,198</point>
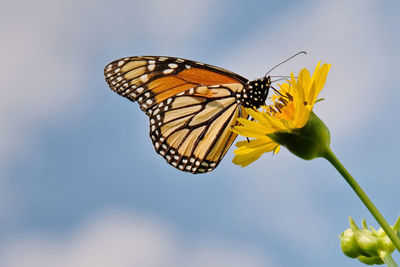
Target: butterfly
<point>191,105</point>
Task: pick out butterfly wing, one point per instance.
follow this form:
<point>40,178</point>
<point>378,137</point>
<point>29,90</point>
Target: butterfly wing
<point>191,106</point>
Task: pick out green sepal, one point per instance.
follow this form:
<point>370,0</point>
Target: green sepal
<point>308,142</point>
<point>370,260</point>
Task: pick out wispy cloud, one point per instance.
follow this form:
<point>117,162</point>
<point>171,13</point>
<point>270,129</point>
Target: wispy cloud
<point>45,66</point>
<point>39,80</point>
<point>122,240</point>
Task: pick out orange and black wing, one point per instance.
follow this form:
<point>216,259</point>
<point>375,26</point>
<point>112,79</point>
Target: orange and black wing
<point>191,106</point>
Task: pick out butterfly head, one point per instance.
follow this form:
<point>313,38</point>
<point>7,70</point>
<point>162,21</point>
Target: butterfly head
<point>256,92</point>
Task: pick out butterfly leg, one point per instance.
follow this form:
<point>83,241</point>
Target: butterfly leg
<point>241,115</point>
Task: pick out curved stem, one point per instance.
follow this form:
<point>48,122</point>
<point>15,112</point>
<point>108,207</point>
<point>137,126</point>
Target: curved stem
<point>328,154</point>
<point>387,258</point>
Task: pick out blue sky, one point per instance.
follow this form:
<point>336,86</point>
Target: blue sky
<point>80,183</point>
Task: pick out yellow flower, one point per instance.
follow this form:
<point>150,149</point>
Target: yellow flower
<point>291,110</point>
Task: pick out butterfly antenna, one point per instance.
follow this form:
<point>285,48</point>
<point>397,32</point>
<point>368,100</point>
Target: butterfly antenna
<point>279,76</point>
<point>277,80</point>
<point>301,52</point>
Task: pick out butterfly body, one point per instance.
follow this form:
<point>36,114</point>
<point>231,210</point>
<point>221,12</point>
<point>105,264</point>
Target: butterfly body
<point>255,93</point>
<point>191,105</point>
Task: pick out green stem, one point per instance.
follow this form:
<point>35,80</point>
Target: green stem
<point>328,154</point>
<point>387,258</point>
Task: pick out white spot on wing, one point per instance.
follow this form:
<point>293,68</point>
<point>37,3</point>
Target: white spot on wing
<point>168,71</point>
<point>144,78</point>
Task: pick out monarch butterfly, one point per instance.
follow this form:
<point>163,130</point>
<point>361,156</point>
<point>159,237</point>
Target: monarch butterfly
<point>191,105</point>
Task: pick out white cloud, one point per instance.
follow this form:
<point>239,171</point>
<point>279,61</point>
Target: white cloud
<point>276,196</point>
<point>44,64</point>
<point>39,80</point>
<point>120,240</point>
<point>171,22</point>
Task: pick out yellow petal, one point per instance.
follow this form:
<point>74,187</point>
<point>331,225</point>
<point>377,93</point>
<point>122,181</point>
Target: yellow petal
<point>247,131</point>
<point>253,124</point>
<point>266,120</point>
<point>303,83</point>
<point>245,160</point>
<point>253,143</point>
<point>318,84</point>
<point>250,152</point>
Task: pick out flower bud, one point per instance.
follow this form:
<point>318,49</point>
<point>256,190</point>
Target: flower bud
<point>370,246</point>
<point>349,244</point>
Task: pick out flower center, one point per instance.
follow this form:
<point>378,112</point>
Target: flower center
<point>280,103</point>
